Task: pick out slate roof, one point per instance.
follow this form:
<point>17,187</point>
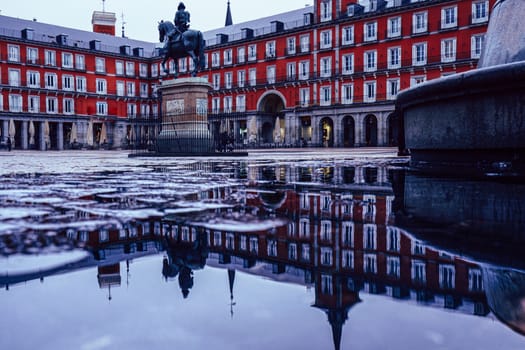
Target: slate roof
<point>47,33</point>
<point>44,32</point>
<point>261,26</point>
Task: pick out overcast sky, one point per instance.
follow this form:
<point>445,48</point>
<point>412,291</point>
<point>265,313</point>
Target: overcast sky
<point>142,16</point>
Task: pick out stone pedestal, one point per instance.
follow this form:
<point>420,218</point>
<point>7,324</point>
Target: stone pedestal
<point>185,117</point>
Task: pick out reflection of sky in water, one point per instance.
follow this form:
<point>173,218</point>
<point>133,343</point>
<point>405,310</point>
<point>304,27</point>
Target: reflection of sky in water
<point>72,312</point>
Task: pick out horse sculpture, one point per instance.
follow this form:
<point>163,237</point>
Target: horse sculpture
<point>189,43</point>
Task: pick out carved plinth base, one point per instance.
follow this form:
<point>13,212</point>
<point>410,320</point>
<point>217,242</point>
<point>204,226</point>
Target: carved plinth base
<point>185,117</point>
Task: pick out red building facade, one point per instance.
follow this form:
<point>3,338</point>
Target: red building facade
<point>328,74</point>
<point>324,75</point>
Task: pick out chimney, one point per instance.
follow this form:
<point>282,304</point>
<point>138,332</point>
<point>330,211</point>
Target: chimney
<point>104,22</point>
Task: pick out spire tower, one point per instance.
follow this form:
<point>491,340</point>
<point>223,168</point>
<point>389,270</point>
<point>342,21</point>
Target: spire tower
<point>229,20</point>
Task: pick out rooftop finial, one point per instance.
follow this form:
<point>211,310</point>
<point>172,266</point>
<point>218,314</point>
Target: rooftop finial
<point>123,25</point>
<point>103,5</point>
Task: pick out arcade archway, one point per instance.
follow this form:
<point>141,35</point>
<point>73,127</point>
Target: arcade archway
<point>327,132</point>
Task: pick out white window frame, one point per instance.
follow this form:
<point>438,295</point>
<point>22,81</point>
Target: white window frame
<point>50,58</point>
<point>325,66</point>
<point>419,54</point>
<point>33,104</point>
<point>370,263</point>
<point>228,56</point>
<point>119,68</point>
<point>33,79</point>
<point>51,105</point>
<point>241,78</point>
<point>51,81</point>
<point>132,110</point>
<point>130,69</point>
<point>270,74</point>
<point>447,276</point>
<point>80,62</point>
<point>370,61</point>
<point>121,88</point>
<point>102,86</point>
<point>347,35</point>
<point>369,92</point>
<point>216,81</point>
<point>291,71</point>
<point>215,59</point>
<point>448,50</point>
<point>228,80</point>
<point>394,27</point>
<point>68,106</point>
<point>15,103</point>
<point>449,17</point>
<point>291,45</point>
<point>394,57</point>
<point>100,65</point>
<point>304,70</point>
<point>420,22</point>
<point>392,88</point>
<point>143,70</point>
<point>304,96</point>
<point>68,82</point>
<point>270,49</point>
<point>480,11</point>
<point>67,60</point>
<point>325,95</point>
<point>305,43</point>
<point>216,105</point>
<point>476,44</point>
<point>130,88</point>
<point>252,76</point>
<point>32,55</point>
<point>240,103</point>
<point>81,84</point>
<point>393,266</point>
<point>347,64</point>
<point>228,104</point>
<point>326,39</point>
<point>370,31</point>
<point>252,52</point>
<point>418,271</point>
<point>325,10</point>
<point>13,54</point>
<point>241,54</point>
<point>347,94</point>
<point>14,77</point>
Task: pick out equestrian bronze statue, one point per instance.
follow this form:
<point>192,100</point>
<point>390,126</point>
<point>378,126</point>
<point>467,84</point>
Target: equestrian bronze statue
<point>181,42</point>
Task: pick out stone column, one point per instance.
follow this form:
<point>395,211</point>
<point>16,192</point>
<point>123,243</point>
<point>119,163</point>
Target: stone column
<point>24,135</point>
<point>185,117</point>
<point>5,130</point>
<point>382,138</point>
<point>60,136</point>
<point>359,130</point>
<point>42,137</point>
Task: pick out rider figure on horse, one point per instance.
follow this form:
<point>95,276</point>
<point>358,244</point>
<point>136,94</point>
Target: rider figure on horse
<point>182,18</point>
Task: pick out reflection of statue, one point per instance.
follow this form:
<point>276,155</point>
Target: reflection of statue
<point>185,280</point>
<point>182,18</point>
<point>505,291</point>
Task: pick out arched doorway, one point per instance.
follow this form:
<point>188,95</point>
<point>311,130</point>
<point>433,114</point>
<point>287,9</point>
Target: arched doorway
<point>393,130</point>
<point>348,131</point>
<point>371,130</point>
<point>271,103</point>
<point>327,132</point>
<point>270,107</point>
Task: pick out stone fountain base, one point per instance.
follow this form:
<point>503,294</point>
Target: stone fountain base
<point>472,122</point>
